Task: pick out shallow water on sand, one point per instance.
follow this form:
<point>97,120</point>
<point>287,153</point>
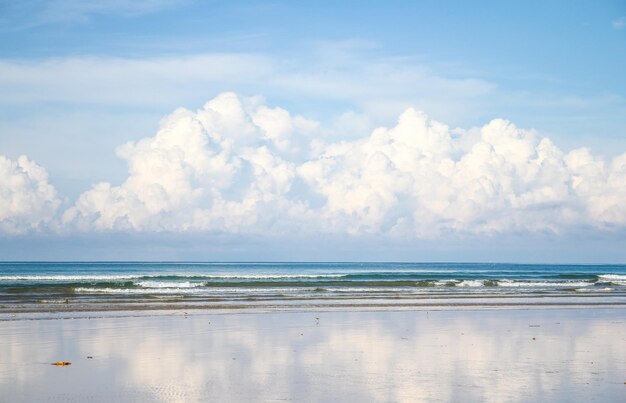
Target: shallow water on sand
<point>482,355</point>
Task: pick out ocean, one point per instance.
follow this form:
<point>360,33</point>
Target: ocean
<point>94,286</point>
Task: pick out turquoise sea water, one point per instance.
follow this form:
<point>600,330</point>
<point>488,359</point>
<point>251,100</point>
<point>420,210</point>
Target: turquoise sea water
<point>82,286</point>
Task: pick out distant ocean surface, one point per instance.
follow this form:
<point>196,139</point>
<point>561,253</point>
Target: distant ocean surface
<point>34,287</point>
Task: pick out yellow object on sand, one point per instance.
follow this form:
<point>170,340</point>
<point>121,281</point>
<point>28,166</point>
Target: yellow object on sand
<point>61,363</point>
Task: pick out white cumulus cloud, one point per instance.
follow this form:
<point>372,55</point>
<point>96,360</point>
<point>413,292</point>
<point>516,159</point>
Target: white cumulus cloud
<point>227,167</point>
<point>27,200</point>
<point>240,166</point>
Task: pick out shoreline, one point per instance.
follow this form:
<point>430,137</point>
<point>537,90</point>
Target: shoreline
<point>89,312</point>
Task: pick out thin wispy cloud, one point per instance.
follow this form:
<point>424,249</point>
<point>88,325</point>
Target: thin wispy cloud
<point>124,81</point>
<point>344,73</point>
<point>26,14</point>
<point>619,23</point>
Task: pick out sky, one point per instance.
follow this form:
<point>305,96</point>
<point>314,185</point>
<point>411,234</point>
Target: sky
<point>287,130</point>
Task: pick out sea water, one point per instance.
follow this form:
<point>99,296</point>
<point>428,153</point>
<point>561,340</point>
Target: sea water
<point>124,285</point>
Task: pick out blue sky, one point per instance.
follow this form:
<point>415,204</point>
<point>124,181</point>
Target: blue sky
<point>80,79</point>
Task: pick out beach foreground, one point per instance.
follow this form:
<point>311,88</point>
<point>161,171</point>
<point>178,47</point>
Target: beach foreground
<point>537,354</point>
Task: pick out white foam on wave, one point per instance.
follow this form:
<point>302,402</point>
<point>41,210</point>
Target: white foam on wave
<point>266,276</point>
<point>168,284</point>
<point>88,290</point>
<point>443,283</point>
<point>613,278</point>
<point>214,291</point>
<point>471,283</point>
<point>605,289</point>
<point>511,283</point>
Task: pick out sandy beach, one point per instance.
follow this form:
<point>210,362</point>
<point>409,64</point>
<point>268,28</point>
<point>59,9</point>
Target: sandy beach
<point>495,355</point>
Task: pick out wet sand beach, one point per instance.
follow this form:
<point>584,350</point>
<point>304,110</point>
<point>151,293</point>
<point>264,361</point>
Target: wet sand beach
<point>533,354</point>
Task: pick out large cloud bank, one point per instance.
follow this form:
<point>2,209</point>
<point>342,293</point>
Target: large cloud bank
<point>240,166</point>
<point>27,200</point>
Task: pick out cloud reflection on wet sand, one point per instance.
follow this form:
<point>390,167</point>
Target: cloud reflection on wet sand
<point>485,355</point>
